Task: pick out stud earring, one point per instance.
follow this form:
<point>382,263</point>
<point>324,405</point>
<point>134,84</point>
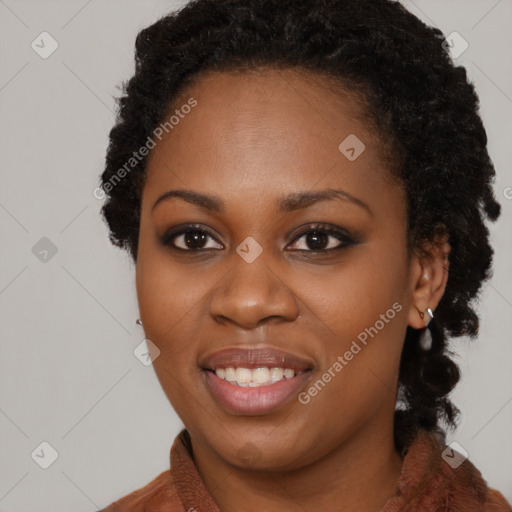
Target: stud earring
<point>138,321</point>
<point>428,311</point>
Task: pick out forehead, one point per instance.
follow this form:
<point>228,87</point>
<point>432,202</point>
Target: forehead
<point>266,130</point>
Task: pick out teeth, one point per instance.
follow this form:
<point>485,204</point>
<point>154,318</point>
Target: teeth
<point>229,374</point>
<point>276,374</point>
<point>247,377</point>
<point>260,375</point>
<point>243,375</point>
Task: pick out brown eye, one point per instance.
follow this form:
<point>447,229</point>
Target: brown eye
<point>320,239</point>
<point>189,238</point>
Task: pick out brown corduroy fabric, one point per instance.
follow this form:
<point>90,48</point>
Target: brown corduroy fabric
<point>427,484</point>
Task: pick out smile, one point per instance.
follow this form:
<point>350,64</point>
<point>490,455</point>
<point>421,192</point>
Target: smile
<point>253,378</point>
<point>250,397</point>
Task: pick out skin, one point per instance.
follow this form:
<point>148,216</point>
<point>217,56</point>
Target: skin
<point>251,140</point>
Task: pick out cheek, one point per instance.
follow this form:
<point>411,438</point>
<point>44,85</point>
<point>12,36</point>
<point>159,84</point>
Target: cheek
<point>170,298</point>
<point>166,291</point>
<point>361,309</point>
<point>352,297</point>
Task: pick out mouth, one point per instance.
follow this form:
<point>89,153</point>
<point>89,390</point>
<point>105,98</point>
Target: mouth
<point>255,378</point>
<point>254,381</point>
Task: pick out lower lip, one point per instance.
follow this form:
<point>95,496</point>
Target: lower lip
<point>257,400</point>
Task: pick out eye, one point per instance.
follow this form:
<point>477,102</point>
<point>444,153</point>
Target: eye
<point>194,238</point>
<point>189,238</point>
<point>317,237</point>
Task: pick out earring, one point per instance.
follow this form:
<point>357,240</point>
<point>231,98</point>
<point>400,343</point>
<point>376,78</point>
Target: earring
<point>428,311</point>
<point>138,321</point>
<point>426,340</point>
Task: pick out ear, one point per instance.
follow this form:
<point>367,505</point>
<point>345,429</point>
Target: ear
<point>429,275</point>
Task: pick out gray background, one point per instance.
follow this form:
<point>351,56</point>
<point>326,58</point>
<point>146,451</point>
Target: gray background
<point>68,375</point>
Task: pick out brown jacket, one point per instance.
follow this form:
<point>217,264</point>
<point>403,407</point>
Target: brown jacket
<point>427,484</point>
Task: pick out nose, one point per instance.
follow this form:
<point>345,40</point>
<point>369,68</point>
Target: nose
<point>252,293</point>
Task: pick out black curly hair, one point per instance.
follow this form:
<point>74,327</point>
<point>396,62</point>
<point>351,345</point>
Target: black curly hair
<point>422,106</point>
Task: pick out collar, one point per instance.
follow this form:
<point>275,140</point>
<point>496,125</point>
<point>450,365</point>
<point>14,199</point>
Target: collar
<point>427,482</point>
<point>191,489</point>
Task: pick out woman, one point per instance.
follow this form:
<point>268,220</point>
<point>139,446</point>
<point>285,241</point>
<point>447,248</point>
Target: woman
<point>303,187</point>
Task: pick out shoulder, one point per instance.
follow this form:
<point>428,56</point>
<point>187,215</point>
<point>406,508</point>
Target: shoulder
<point>436,478</point>
<point>159,495</point>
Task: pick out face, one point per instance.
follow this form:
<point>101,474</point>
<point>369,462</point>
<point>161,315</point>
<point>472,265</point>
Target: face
<point>272,270</point>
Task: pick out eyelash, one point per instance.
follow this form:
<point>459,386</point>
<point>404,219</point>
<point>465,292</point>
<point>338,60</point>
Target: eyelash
<point>342,235</point>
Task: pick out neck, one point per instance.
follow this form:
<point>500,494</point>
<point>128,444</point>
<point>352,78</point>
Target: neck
<point>359,475</point>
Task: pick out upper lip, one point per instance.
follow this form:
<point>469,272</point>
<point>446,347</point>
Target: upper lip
<point>254,357</point>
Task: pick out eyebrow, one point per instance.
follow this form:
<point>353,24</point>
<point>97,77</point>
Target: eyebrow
<point>291,202</point>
